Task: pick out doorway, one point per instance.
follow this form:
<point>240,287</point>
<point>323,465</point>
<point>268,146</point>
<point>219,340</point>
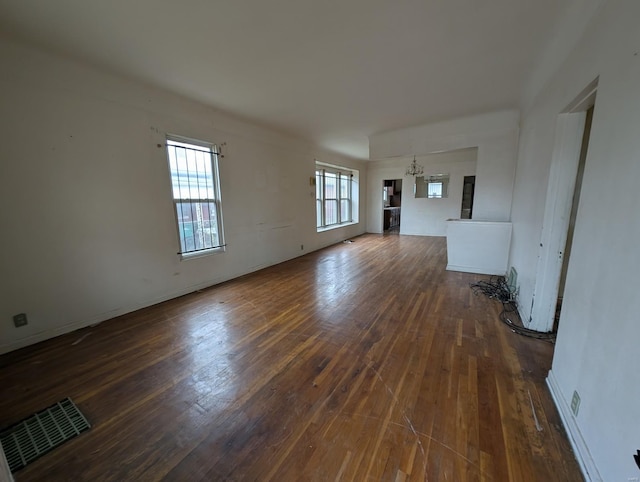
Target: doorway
<point>392,203</point>
<point>574,213</point>
<point>563,196</point>
<point>468,190</point>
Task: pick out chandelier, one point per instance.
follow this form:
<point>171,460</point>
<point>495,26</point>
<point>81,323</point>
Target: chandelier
<point>414,169</point>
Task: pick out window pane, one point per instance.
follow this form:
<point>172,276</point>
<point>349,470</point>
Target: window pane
<point>318,213</point>
<point>318,184</point>
<point>191,173</point>
<point>345,210</point>
<point>197,225</point>
<point>344,186</point>
<point>435,189</point>
<point>330,185</point>
<point>185,227</point>
<point>179,177</point>
<point>330,212</point>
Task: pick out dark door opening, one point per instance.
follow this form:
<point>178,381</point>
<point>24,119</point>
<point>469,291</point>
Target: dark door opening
<point>468,189</point>
<point>392,201</point>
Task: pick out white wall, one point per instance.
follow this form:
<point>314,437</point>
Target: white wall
<point>599,330</point>
<point>496,137</point>
<point>421,216</point>
<point>88,230</point>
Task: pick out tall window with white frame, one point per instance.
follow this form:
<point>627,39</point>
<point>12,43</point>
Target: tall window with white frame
<point>334,191</point>
<point>193,166</point>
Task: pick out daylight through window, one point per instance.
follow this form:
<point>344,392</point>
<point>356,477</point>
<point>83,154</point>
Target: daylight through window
<point>434,189</point>
<point>334,196</point>
<point>196,195</point>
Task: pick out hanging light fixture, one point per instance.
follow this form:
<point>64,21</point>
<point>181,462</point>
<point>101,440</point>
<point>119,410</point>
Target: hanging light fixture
<point>414,169</point>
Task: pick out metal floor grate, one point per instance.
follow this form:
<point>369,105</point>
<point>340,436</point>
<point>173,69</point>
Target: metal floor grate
<point>27,440</point>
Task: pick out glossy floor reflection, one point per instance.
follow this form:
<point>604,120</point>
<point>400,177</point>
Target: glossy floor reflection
<point>363,361</point>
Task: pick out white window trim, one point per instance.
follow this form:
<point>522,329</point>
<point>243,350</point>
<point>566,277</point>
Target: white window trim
<point>217,198</point>
<point>335,226</point>
<point>320,166</point>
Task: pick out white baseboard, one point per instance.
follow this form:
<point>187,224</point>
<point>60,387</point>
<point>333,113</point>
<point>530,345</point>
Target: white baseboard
<point>580,448</point>
<point>5,472</point>
<point>470,269</point>
<point>76,325</point>
<point>58,330</point>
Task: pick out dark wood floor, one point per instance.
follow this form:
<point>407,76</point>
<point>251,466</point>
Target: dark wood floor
<point>363,361</point>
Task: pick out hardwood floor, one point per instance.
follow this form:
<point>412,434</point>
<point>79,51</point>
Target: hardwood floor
<point>363,361</point>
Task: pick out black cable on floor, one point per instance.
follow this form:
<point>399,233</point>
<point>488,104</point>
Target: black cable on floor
<point>497,288</point>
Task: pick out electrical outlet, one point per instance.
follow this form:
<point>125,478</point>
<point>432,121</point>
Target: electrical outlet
<point>20,320</point>
<point>575,403</point>
<point>302,247</point>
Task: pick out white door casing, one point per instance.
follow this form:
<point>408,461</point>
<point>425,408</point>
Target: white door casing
<point>565,158</point>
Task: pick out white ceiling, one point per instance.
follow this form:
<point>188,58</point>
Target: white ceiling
<point>330,71</point>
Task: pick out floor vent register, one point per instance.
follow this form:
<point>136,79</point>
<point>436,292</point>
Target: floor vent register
<point>40,433</point>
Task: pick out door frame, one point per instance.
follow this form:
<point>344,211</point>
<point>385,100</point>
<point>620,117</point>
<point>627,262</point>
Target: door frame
<point>565,158</point>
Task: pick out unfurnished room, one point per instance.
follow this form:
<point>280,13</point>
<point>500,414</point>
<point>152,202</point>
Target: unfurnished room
<point>346,241</point>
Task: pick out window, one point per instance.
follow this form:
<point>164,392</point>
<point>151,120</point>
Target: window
<point>434,189</point>
<point>335,188</point>
<point>193,166</point>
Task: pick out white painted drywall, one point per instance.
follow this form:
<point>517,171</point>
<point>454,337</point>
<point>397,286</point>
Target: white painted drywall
<point>478,246</point>
<point>88,230</point>
<point>496,137</point>
<point>567,30</point>
<point>421,216</point>
<point>599,331</point>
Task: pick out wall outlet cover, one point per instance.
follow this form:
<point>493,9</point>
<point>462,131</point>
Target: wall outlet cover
<point>575,403</point>
<point>20,320</point>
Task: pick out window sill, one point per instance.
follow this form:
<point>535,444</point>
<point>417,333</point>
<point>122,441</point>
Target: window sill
<point>201,254</point>
<point>335,226</point>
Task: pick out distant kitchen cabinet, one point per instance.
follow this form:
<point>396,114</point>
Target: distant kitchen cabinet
<point>391,218</point>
